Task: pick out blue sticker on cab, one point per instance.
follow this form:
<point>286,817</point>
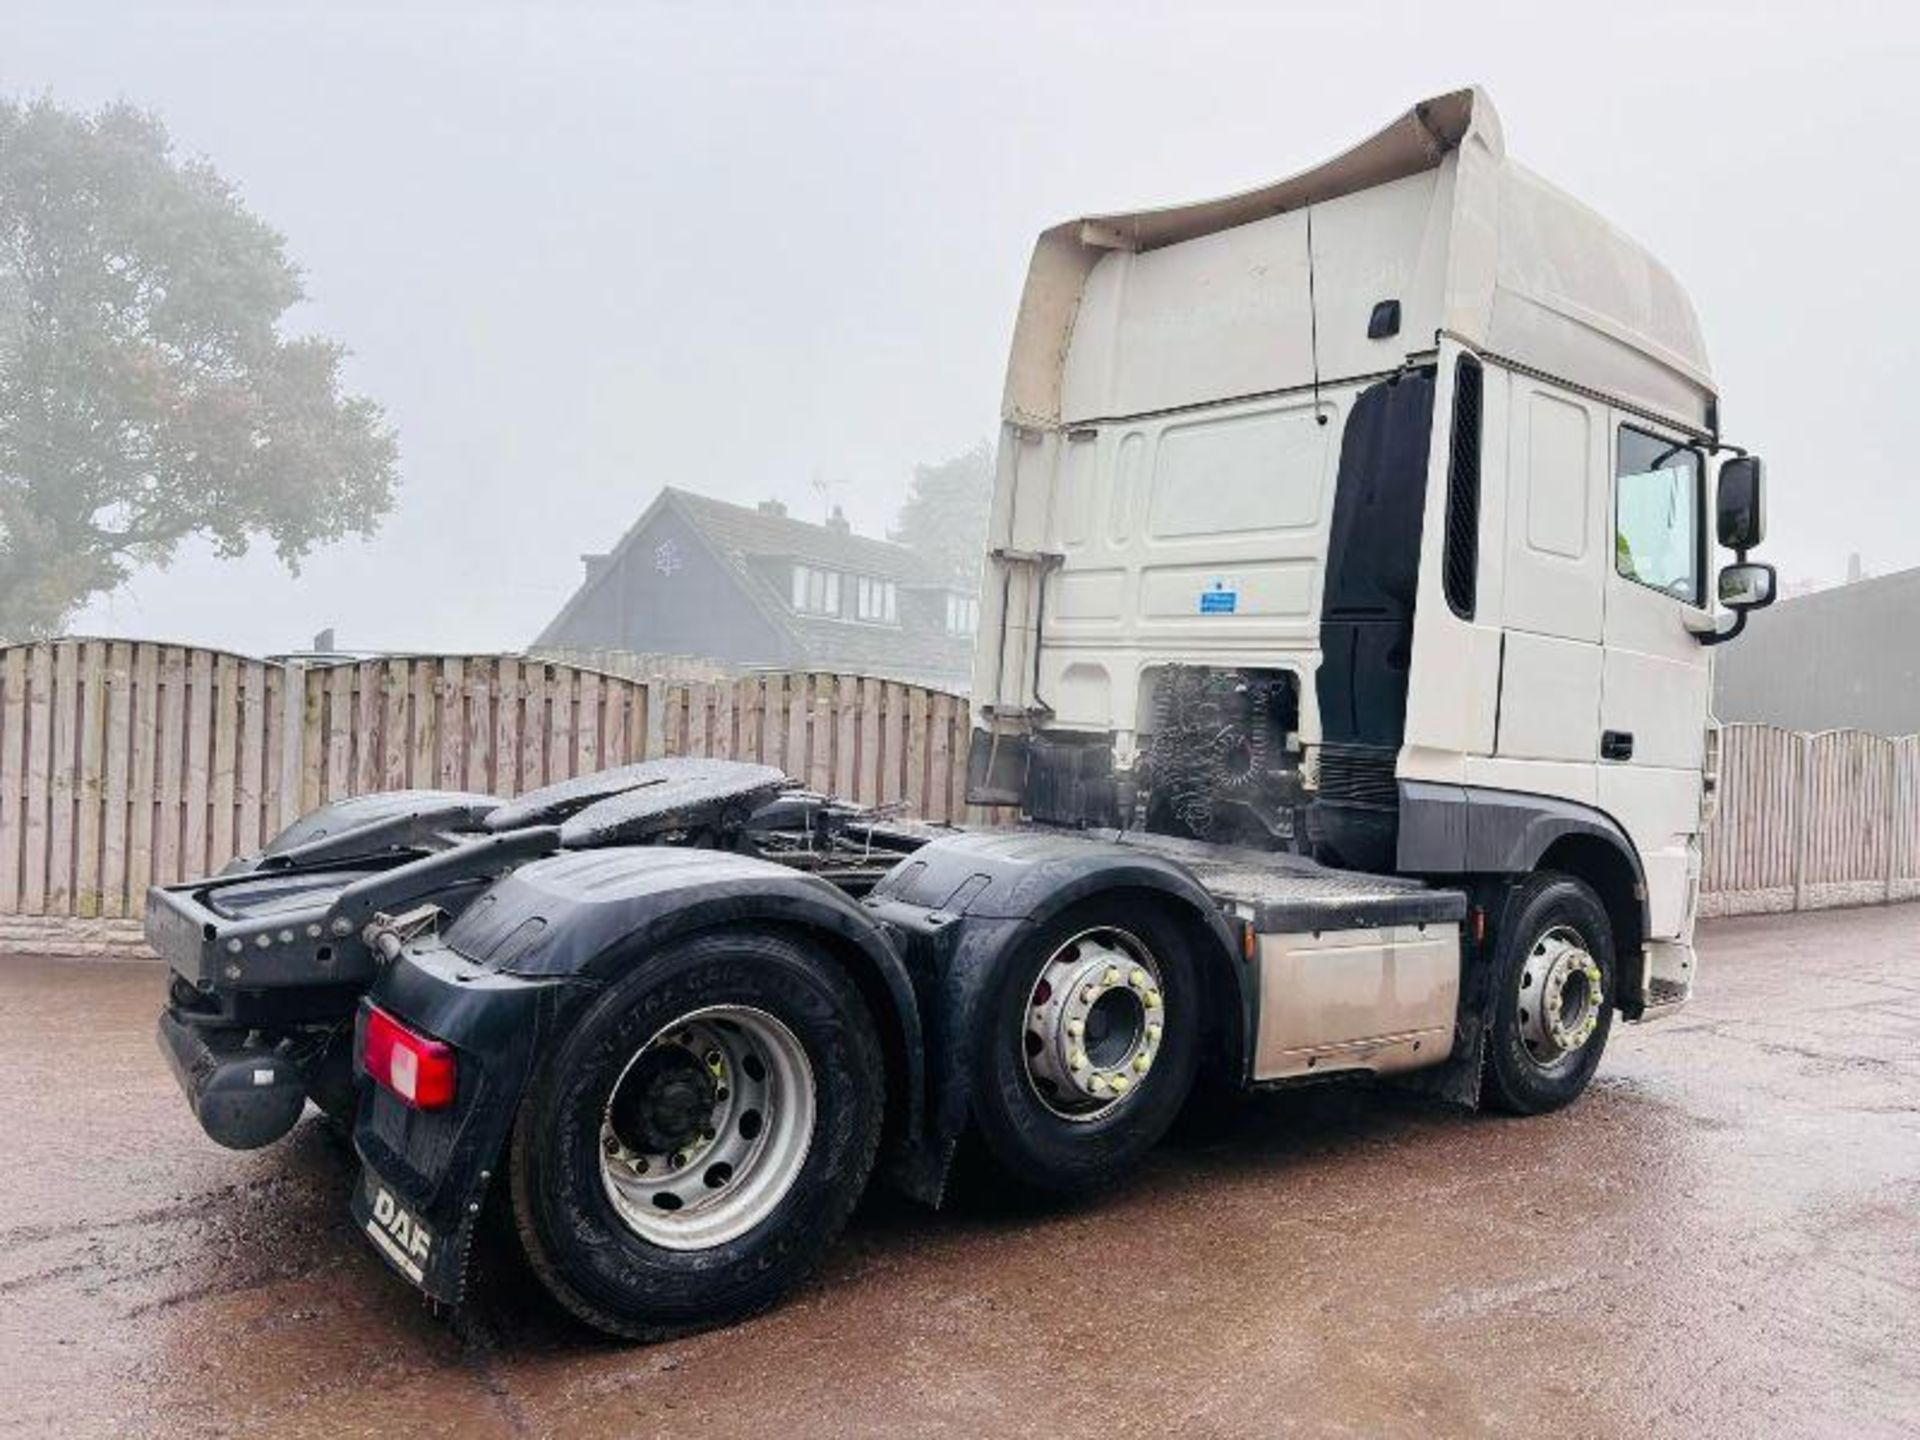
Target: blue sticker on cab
<point>1219,599</point>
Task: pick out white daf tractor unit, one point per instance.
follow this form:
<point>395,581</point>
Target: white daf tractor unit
<point>1342,677</point>
<point>1368,514</point>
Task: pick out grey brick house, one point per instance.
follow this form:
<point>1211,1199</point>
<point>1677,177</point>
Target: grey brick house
<point>752,587</point>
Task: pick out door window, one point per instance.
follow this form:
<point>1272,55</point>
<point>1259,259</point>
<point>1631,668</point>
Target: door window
<point>1657,504</point>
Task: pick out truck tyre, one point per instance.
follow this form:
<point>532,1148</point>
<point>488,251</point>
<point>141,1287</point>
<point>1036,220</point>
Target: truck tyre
<point>1087,1047</point>
<point>700,1137</point>
<point>1554,985</point>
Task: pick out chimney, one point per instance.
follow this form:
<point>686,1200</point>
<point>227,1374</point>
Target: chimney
<point>1854,573</point>
<point>838,523</point>
<point>775,508</point>
<point>594,563</point>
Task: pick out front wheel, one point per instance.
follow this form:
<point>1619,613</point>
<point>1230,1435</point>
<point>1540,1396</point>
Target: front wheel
<point>1554,973</point>
<point>700,1137</point>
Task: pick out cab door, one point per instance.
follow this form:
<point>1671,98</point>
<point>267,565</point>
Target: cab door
<point>1655,677</point>
<point>1556,555</point>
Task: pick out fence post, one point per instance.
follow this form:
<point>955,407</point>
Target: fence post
<point>1802,802</point>
<point>656,741</point>
<point>293,739</point>
<point>1892,818</point>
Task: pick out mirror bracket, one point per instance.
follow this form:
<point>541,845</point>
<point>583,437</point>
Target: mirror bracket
<point>1716,629</point>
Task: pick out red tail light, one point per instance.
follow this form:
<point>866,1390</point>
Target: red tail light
<point>420,1071</point>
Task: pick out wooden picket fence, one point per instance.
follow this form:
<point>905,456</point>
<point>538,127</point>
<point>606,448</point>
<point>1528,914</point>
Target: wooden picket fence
<point>1807,821</point>
<point>128,763</point>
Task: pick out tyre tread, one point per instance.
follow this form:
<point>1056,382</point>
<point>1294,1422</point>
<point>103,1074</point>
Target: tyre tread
<point>827,1220</point>
<point>1502,1087</point>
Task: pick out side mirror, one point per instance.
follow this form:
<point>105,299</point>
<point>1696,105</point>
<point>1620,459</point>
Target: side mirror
<point>1743,588</point>
<point>1741,506</point>
<point>1746,586</point>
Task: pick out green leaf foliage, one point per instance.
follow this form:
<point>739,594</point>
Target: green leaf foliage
<point>147,392</point>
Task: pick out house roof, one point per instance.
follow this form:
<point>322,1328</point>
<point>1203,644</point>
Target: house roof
<point>741,536</point>
<point>743,531</point>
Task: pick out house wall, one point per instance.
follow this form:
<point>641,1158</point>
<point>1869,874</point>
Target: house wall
<point>1846,657</point>
<point>667,594</point>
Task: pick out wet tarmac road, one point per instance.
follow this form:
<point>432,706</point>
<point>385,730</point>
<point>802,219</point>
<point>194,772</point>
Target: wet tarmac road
<point>1722,1238</point>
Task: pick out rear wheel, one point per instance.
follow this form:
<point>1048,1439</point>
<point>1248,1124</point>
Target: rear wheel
<point>1088,1047</point>
<point>1554,969</point>
<point>701,1136</point>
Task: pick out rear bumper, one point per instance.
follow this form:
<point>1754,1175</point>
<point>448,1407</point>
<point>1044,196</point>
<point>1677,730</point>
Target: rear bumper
<point>256,932</point>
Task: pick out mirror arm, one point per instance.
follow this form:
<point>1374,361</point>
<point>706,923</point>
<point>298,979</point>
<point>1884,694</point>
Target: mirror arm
<point>1710,632</point>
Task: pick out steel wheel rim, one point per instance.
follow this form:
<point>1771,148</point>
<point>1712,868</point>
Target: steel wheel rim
<point>1091,1028</point>
<point>1560,1000</point>
<point>707,1127</point>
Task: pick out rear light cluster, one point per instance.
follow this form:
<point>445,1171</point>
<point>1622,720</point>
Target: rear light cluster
<point>419,1070</point>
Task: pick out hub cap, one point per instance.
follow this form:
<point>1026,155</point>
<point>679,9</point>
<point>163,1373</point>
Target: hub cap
<point>1093,1023</point>
<point>1562,996</point>
<point>707,1127</point>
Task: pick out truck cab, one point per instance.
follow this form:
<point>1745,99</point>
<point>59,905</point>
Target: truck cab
<point>1371,514</point>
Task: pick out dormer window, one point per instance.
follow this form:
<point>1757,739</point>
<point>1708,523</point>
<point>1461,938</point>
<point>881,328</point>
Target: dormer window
<point>816,592</point>
<point>876,600</point>
<point>963,613</point>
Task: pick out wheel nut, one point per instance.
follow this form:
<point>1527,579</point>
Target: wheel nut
<point>1151,999</point>
<point>1076,1028</point>
<point>612,1145</point>
<point>679,1159</point>
<point>1098,1085</point>
<point>1140,1064</point>
<point>1153,1034</point>
<point>1112,977</point>
<point>1078,1060</point>
<point>1138,979</point>
<point>713,1060</point>
<point>1088,994</point>
<point>1120,1084</point>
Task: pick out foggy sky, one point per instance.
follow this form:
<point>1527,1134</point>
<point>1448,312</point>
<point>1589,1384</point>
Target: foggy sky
<point>579,253</point>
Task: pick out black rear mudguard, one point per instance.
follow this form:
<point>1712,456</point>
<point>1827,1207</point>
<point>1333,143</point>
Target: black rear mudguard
<point>511,977</point>
<point>427,1172</point>
<point>515,971</point>
<point>958,906</point>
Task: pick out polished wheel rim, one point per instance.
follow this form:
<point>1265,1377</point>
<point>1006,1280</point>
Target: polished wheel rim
<point>1562,997</point>
<point>707,1127</point>
<point>1091,1029</point>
